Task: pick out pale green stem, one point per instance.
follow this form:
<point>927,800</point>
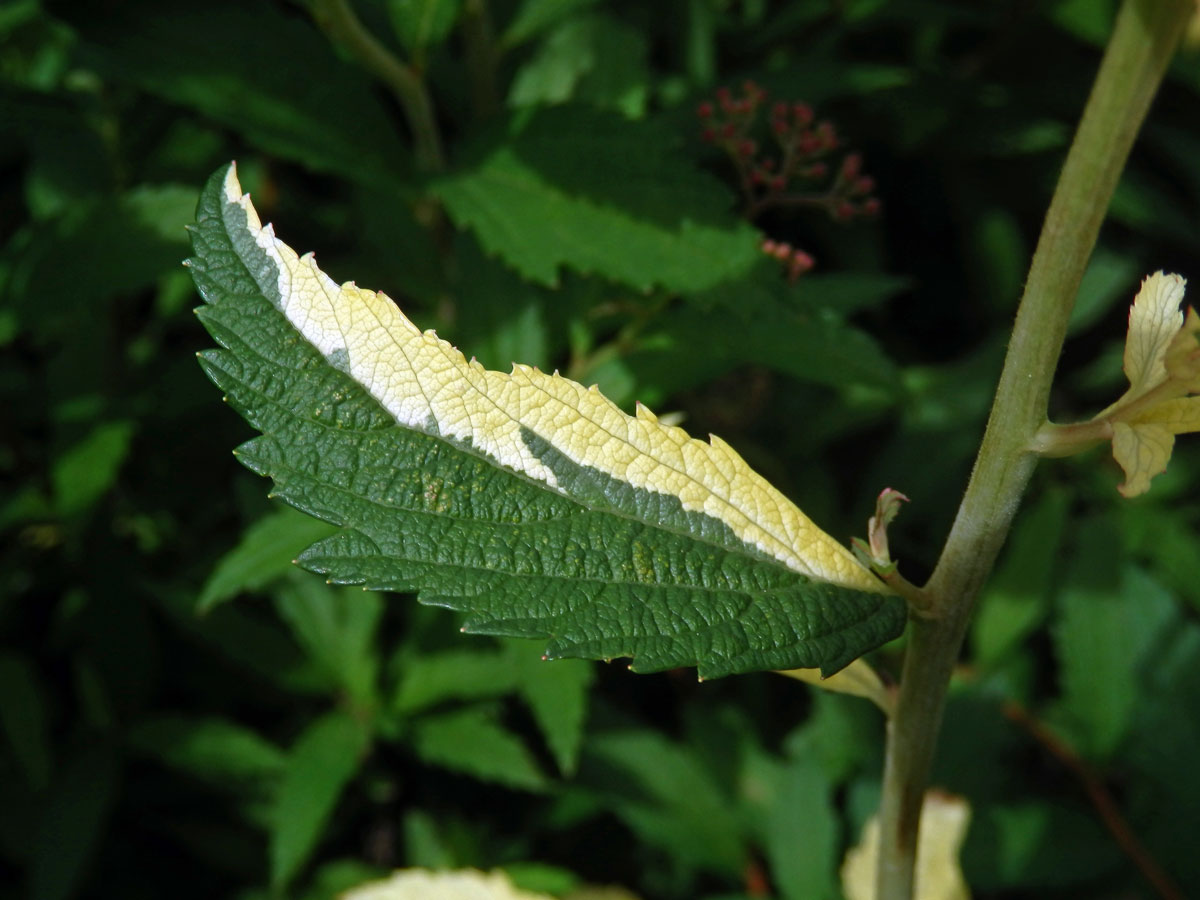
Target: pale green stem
<point>338,20</point>
<point>1143,40</point>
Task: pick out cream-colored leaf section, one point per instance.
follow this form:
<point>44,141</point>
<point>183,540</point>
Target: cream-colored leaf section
<point>427,384</point>
<point>420,884</point>
<point>1154,320</point>
<point>858,679</point>
<point>1180,416</point>
<point>938,876</point>
<point>1143,451</point>
<point>1182,360</point>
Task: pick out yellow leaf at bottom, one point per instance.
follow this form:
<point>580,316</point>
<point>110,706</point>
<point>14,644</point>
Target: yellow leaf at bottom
<point>944,821</point>
<point>420,884</point>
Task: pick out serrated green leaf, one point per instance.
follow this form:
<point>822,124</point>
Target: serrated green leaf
<point>501,317</point>
<point>219,751</point>
<point>1105,282</point>
<point>534,16</point>
<point>319,766</point>
<point>267,551</point>
<point>576,187</point>
<point>526,500</point>
<point>116,245</point>
<point>1018,598</point>
<point>23,718</point>
<point>591,59</point>
<point>556,692</point>
<point>427,681</point>
<point>1034,847</point>
<point>1169,539</point>
<point>472,742</point>
<point>799,826</point>
<point>71,822</point>
<point>1159,762</point>
<point>422,24</point>
<point>841,735</point>
<point>67,156</point>
<point>87,470</point>
<point>238,64</point>
<point>662,792</point>
<point>337,627</point>
<point>254,644</point>
<point>813,347</point>
<point>1109,619</point>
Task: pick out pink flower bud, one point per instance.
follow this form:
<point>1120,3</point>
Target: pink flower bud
<point>827,135</point>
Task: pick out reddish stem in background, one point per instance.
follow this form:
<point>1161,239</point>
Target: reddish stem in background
<point>1102,800</point>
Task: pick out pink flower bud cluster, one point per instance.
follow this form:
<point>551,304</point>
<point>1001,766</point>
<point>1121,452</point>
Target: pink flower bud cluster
<point>795,262</point>
<point>772,176</point>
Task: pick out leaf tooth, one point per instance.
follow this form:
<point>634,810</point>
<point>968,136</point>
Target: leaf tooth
<point>643,412</point>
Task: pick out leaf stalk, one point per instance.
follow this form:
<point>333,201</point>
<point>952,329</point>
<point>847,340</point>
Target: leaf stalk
<point>339,21</point>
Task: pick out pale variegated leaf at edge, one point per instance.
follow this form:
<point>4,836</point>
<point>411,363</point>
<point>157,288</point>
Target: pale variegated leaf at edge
<point>526,500</point>
<point>939,875</point>
<point>1154,322</point>
<point>421,884</point>
<point>1162,362</point>
<point>858,679</point>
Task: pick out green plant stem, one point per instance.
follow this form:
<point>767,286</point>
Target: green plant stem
<point>338,20</point>
<point>1143,40</point>
<point>482,56</point>
<point>1067,440</point>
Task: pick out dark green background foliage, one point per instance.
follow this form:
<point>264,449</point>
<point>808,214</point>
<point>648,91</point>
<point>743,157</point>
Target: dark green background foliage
<point>183,713</point>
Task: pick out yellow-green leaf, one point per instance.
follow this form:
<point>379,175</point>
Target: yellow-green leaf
<point>1143,452</point>
<point>858,679</point>
<point>1183,355</point>
<point>1179,416</point>
<point>1154,320</point>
